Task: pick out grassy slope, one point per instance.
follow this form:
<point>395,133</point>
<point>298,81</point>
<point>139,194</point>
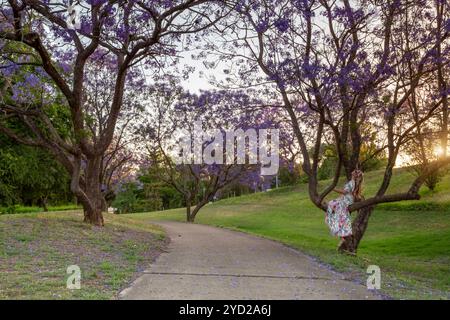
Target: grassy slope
<point>36,249</point>
<point>410,242</point>
<point>25,209</point>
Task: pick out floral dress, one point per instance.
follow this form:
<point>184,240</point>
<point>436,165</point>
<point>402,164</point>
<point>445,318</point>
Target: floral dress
<point>338,216</point>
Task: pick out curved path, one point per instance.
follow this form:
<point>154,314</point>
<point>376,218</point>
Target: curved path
<point>205,262</point>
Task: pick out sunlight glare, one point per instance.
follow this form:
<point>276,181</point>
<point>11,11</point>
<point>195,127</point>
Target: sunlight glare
<point>438,151</point>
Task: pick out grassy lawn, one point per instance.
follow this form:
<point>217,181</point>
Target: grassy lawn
<point>410,241</point>
<point>37,248</point>
<point>25,209</point>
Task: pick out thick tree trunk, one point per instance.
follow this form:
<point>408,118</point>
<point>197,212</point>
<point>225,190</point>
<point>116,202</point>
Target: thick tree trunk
<point>94,217</point>
<point>350,244</point>
<point>104,204</point>
<point>93,212</point>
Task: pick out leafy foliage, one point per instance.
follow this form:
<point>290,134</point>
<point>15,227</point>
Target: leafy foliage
<point>30,176</point>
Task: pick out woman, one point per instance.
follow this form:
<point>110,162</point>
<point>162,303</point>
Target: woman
<point>338,215</point>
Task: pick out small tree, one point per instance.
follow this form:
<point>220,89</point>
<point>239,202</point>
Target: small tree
<point>173,110</point>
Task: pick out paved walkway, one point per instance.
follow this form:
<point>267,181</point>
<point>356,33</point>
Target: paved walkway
<point>205,262</point>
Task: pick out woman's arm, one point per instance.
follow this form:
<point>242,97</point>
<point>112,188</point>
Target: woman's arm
<point>340,191</point>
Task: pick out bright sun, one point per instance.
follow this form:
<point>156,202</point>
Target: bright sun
<point>438,151</point>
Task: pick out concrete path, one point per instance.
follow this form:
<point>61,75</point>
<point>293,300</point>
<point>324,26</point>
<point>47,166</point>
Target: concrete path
<point>207,263</point>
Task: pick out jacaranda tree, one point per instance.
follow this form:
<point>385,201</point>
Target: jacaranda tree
<point>345,72</point>
<point>174,115</point>
<point>49,56</point>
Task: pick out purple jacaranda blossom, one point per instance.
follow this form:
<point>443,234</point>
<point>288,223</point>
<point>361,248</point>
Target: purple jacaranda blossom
<point>9,68</point>
<point>447,25</point>
<point>282,24</point>
<point>122,32</point>
<point>86,26</point>
<point>262,26</point>
<point>32,80</point>
<point>28,89</point>
<point>66,67</point>
<point>96,2</point>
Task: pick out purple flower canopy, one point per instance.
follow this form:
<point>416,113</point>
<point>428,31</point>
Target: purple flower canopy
<point>282,25</point>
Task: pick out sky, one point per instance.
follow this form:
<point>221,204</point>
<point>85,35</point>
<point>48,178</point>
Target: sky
<point>196,81</point>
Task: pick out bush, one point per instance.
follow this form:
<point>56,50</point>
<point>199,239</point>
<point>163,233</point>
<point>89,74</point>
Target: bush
<point>288,176</point>
<point>326,170</point>
<point>126,198</point>
<point>8,210</point>
<point>129,200</point>
<point>147,205</point>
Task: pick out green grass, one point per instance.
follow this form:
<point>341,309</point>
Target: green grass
<point>34,209</point>
<point>37,248</point>
<point>410,241</point>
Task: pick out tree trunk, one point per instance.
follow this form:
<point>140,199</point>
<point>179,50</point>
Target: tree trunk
<point>93,211</point>
<point>193,214</point>
<point>104,204</point>
<point>442,83</point>
<point>188,210</point>
<point>94,217</point>
<point>350,244</point>
<point>44,204</point>
<point>189,216</point>
<point>197,209</point>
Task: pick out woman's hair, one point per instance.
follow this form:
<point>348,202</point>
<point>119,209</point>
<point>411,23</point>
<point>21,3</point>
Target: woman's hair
<point>358,178</point>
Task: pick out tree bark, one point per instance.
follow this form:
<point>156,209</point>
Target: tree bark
<point>94,217</point>
<point>442,83</point>
<point>44,204</point>
<point>93,211</point>
<point>350,244</point>
<point>188,211</point>
<point>195,211</point>
<point>189,216</point>
<point>104,204</point>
